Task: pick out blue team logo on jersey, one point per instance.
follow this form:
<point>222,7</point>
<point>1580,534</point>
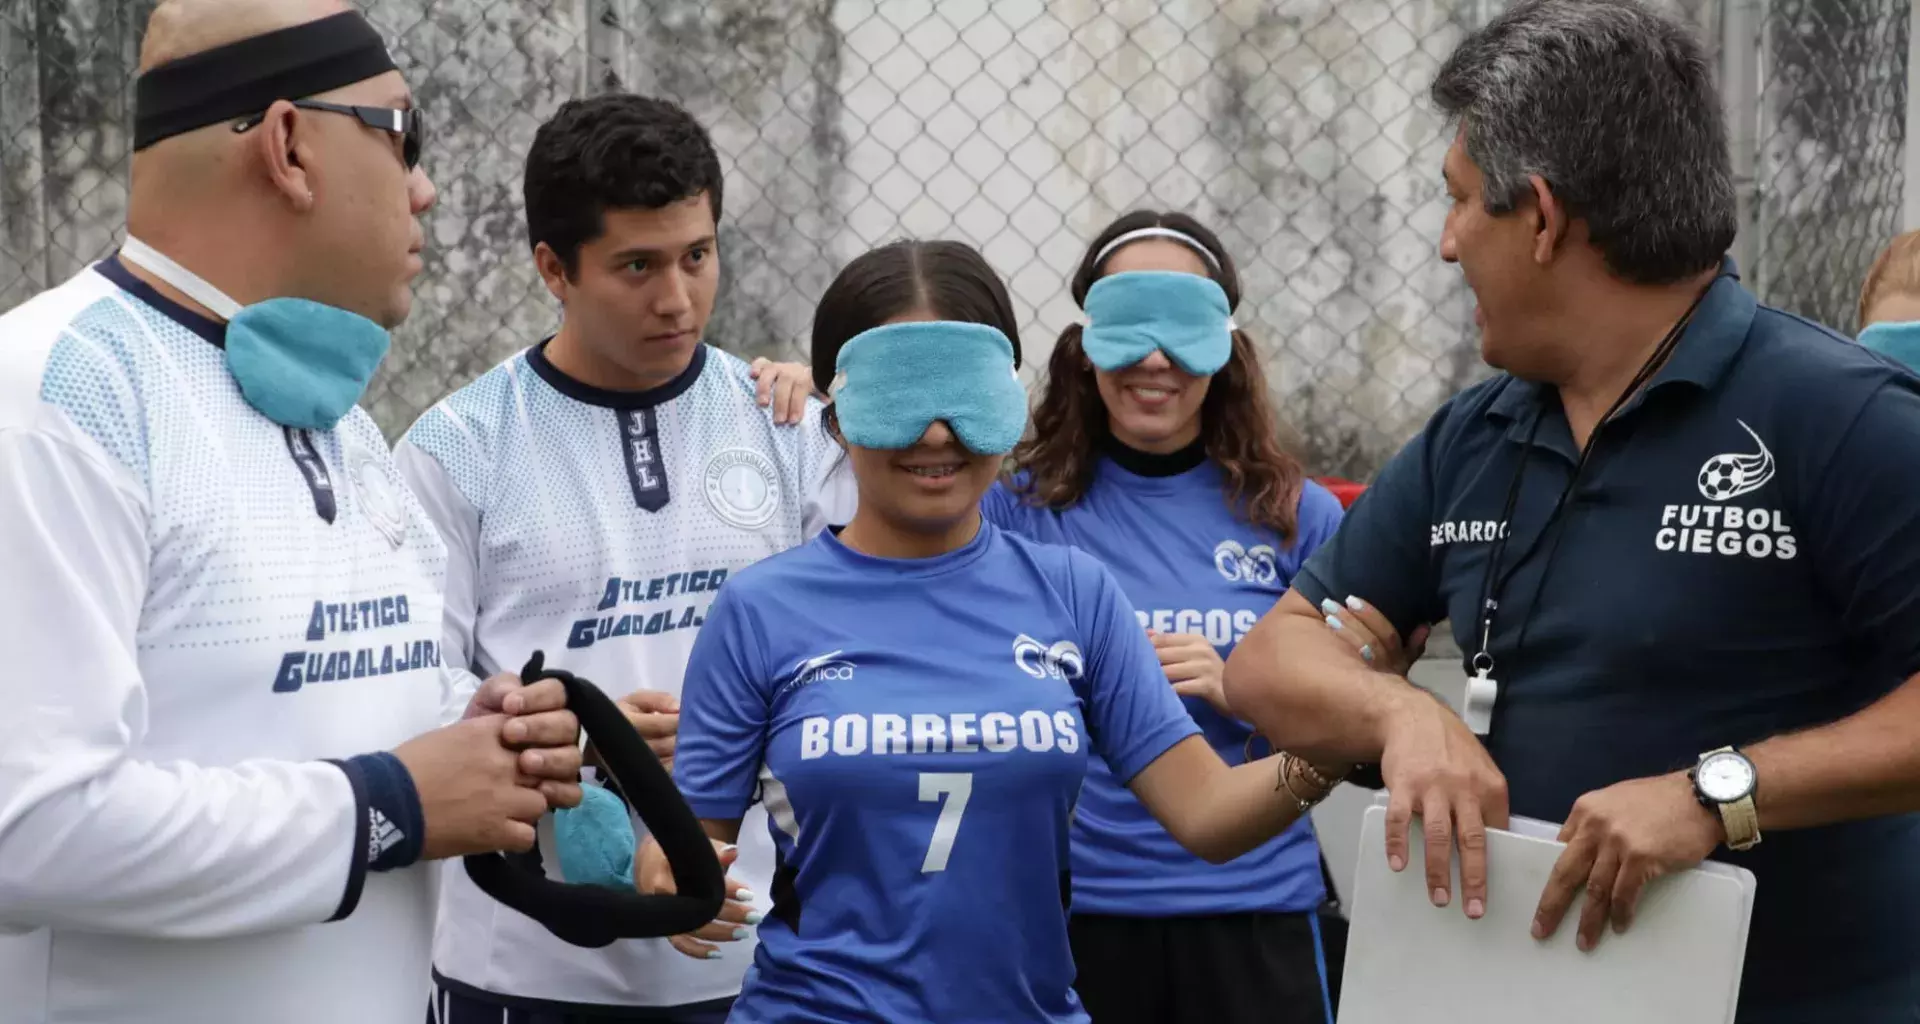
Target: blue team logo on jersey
<point>1237,563</point>
<point>1041,661</point>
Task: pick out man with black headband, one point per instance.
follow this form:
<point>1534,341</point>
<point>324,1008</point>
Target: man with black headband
<point>223,771</point>
<point>1675,539</point>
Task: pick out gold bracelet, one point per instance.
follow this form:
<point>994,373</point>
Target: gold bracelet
<point>1286,782</point>
<point>1313,775</point>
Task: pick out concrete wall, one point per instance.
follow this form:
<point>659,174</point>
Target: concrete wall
<point>1295,129</point>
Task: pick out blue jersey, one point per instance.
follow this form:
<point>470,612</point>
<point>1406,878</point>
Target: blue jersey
<point>918,731</point>
<point>1191,565</point>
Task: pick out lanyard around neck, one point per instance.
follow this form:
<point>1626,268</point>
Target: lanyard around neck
<point>1494,582</point>
<point>192,285</point>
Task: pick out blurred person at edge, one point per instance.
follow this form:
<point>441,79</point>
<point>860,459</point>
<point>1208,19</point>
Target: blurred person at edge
<point>223,769</point>
<point>1890,302</point>
<point>1675,540</point>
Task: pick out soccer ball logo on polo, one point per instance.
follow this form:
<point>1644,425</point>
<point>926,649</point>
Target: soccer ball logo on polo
<point>1721,528</point>
<point>1731,475</point>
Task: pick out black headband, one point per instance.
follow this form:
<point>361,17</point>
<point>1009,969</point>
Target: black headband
<point>592,915</point>
<point>246,77</point>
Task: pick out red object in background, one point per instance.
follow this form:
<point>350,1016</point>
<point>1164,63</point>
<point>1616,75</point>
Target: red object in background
<point>1342,488</point>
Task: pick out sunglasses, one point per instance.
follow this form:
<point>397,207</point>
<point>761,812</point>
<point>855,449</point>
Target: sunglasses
<point>409,124</point>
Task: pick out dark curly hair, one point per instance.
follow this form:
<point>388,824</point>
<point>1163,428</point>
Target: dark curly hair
<point>617,151</point>
<point>1237,422</point>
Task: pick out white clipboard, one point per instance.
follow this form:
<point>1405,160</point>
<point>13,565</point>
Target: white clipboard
<point>1408,960</point>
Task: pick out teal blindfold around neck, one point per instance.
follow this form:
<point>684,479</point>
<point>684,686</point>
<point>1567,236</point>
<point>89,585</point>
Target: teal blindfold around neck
<point>1900,341</point>
<point>300,363</point>
<point>894,381</point>
<point>1132,313</point>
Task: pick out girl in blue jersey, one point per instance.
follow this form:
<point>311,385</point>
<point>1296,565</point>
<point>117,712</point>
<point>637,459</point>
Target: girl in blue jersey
<point>915,697</point>
<point>1155,451</point>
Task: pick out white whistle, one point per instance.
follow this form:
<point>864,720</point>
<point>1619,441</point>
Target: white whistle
<point>1482,689</point>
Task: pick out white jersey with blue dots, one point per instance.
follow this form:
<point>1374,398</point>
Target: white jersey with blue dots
<point>597,527</point>
<point>197,607</point>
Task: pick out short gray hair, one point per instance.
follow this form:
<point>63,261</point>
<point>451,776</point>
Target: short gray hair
<point>1614,105</point>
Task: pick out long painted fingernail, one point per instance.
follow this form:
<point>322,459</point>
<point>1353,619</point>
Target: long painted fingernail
<point>755,917</point>
<point>1334,621</point>
<point>743,896</point>
<point>1356,604</point>
<point>1366,652</point>
<point>1327,605</point>
<point>741,933</point>
<point>1475,908</point>
<point>1439,897</point>
<point>1397,862</point>
<point>713,954</point>
<point>729,848</point>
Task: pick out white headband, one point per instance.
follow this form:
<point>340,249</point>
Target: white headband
<point>1158,232</point>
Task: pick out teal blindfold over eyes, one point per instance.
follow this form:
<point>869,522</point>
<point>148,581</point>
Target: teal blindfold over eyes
<point>1900,341</point>
<point>1132,313</point>
<point>894,381</point>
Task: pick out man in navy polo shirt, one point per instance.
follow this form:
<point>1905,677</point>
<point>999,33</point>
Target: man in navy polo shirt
<point>1679,530</point>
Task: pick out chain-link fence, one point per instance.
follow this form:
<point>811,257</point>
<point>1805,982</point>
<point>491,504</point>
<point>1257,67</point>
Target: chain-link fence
<point>1297,129</point>
<point>1831,129</point>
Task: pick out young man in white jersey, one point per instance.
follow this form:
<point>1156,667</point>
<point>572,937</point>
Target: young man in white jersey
<point>595,491</point>
<point>223,765</point>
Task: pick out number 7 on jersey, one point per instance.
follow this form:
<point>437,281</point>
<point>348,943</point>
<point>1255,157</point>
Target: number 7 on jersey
<point>956,787</point>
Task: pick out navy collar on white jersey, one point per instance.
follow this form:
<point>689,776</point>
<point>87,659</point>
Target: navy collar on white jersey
<point>624,400</point>
<point>199,323</point>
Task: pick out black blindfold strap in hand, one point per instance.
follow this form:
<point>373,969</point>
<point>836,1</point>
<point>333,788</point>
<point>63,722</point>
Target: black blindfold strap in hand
<point>591,915</point>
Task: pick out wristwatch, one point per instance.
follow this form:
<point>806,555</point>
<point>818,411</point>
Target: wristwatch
<point>1724,781</point>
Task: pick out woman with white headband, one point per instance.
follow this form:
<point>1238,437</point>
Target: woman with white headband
<point>1155,450</point>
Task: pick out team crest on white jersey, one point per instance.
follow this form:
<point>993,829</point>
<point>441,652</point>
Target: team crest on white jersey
<point>1041,661</point>
<point>742,487</point>
<point>1730,475</point>
<point>377,493</point>
<point>1236,563</point>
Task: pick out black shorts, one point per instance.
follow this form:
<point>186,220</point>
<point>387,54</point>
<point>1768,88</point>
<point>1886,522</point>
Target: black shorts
<point>453,1003</point>
<point>1224,969</point>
